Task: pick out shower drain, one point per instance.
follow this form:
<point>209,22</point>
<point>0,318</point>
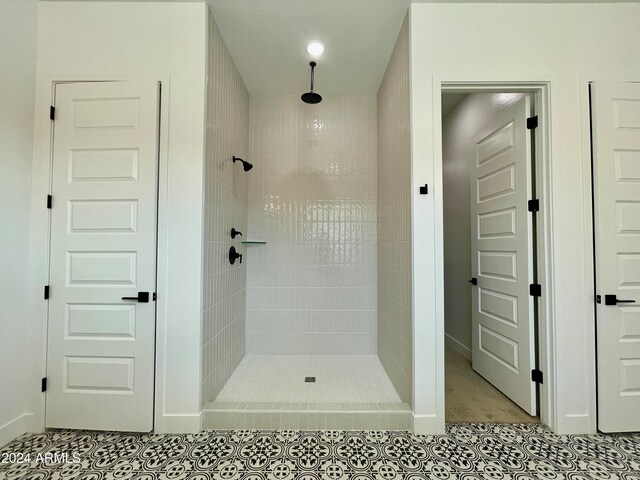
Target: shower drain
<point>310,379</point>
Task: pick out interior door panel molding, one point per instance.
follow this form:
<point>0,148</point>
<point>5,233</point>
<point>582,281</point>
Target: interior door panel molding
<point>615,133</point>
<point>503,337</point>
<point>103,242</point>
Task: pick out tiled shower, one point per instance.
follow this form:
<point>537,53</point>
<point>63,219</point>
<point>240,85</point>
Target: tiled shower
<point>313,328</point>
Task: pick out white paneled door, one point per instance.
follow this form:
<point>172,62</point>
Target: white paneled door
<point>615,113</point>
<point>100,359</point>
<point>502,255</point>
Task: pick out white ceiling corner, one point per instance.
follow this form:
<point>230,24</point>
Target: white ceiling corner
<point>268,39</point>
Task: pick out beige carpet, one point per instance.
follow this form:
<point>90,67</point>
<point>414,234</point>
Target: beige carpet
<point>470,398</point>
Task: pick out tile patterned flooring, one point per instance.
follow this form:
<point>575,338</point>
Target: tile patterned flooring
<point>467,451</point>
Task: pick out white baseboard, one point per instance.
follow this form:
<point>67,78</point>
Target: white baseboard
<point>428,425</point>
<point>15,428</point>
<point>457,346</point>
<point>181,423</point>
<point>575,424</point>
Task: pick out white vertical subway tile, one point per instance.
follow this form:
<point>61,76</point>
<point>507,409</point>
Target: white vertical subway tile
<point>394,220</point>
<point>225,202</point>
<point>312,197</point>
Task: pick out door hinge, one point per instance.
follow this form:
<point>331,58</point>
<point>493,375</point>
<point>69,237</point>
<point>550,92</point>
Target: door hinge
<point>533,205</point>
<point>52,112</point>
<point>49,201</point>
<point>43,385</point>
<point>532,122</point>
<point>535,290</point>
<point>473,281</point>
<point>536,376</point>
<point>155,296</point>
<point>424,189</point>
<point>46,292</point>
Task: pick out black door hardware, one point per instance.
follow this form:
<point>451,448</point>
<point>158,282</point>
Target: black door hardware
<point>536,376</point>
<point>612,300</point>
<point>424,190</point>
<point>143,297</point>
<point>473,281</point>
<point>535,290</point>
<point>235,233</point>
<point>233,255</point>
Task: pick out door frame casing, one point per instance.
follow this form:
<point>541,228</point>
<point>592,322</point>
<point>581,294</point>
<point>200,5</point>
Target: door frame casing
<point>41,241</point>
<point>544,246</point>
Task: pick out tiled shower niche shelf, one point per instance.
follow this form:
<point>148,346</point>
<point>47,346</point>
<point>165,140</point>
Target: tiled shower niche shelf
<point>307,416</point>
<point>254,242</point>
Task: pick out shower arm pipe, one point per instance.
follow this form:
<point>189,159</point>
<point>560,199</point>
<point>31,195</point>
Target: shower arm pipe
<point>313,68</point>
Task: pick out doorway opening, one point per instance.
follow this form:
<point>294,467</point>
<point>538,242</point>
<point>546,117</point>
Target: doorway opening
<point>494,361</point>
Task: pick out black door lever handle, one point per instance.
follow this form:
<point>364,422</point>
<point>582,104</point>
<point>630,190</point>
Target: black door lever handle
<point>473,281</point>
<point>143,297</point>
<point>613,300</point>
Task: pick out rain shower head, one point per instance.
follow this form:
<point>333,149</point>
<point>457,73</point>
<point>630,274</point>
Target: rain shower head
<point>311,96</point>
<point>246,165</point>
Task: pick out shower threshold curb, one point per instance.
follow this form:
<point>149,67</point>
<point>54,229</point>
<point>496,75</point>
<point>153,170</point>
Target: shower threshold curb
<point>307,416</point>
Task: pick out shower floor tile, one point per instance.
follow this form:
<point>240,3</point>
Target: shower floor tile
<point>281,378</point>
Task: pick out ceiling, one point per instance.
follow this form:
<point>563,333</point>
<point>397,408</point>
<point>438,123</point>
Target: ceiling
<point>268,40</point>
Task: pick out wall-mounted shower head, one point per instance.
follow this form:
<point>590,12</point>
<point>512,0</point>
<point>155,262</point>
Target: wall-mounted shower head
<point>311,96</point>
<point>246,165</point>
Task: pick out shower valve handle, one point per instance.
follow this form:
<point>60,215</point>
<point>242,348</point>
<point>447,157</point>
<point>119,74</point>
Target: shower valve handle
<point>233,255</point>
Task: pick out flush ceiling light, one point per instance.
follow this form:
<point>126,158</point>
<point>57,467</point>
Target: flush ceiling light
<point>315,48</point>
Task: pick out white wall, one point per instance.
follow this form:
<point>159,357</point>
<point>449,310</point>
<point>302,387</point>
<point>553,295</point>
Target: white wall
<point>225,206</point>
<point>395,342</point>
<point>163,41</point>
<point>458,154</point>
<point>18,29</point>
<point>312,198</point>
<point>566,45</point>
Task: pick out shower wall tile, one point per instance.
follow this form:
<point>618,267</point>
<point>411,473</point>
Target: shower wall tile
<point>312,288</point>
<point>225,200</point>
<point>394,220</point>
